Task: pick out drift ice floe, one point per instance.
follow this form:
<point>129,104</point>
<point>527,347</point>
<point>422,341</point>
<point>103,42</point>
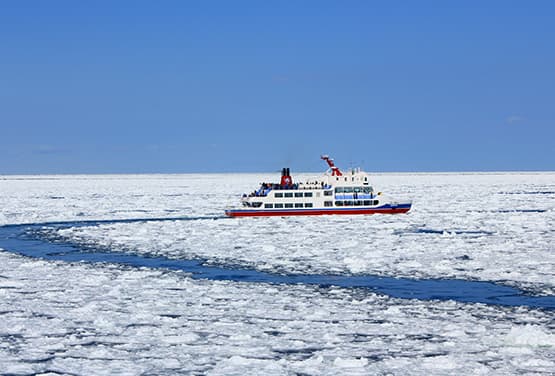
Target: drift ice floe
<point>333,193</point>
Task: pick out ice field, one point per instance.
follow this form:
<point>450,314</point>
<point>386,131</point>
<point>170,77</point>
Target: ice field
<point>83,318</point>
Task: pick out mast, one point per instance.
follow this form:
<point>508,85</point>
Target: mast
<point>334,170</point>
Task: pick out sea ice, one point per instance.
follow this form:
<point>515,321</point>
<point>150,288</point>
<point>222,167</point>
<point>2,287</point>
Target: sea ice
<point>491,227</point>
<point>74,318</point>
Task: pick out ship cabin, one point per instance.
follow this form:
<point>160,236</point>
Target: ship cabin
<point>348,189</point>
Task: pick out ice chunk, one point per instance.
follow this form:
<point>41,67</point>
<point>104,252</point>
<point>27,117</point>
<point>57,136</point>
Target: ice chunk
<point>529,335</point>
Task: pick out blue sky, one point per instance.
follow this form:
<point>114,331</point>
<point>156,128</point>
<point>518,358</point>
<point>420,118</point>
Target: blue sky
<point>210,86</point>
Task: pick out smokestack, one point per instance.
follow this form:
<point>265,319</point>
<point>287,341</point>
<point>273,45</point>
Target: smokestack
<point>285,177</point>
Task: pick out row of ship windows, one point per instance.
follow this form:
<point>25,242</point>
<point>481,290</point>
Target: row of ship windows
<point>353,189</point>
<point>326,203</point>
<point>352,179</point>
<point>288,205</point>
<point>356,202</point>
<point>326,193</point>
<point>291,194</point>
<point>299,194</point>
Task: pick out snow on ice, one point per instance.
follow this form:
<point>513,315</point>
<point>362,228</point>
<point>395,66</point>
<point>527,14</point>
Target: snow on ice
<point>79,318</point>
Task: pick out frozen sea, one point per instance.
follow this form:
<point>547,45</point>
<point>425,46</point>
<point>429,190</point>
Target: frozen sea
<point>68,307</point>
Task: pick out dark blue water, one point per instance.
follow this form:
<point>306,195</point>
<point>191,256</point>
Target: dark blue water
<point>29,240</point>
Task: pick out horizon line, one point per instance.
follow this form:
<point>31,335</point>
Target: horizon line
<point>270,172</point>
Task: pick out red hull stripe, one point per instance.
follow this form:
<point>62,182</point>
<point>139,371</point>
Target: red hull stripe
<point>403,208</point>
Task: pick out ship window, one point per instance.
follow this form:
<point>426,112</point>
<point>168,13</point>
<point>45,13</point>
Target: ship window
<point>358,203</point>
<point>348,190</point>
<point>365,179</point>
<point>348,203</point>
<point>345,178</point>
<point>339,190</point>
<point>308,194</point>
<point>367,202</point>
<point>328,203</point>
<point>357,189</point>
<point>376,202</point>
<point>338,203</point>
<point>299,205</point>
<point>288,194</point>
<point>256,204</point>
<point>268,206</point>
<point>298,194</point>
<point>367,189</point>
<point>279,194</point>
<point>278,206</point>
<point>288,205</point>
<point>308,205</point>
<point>328,193</point>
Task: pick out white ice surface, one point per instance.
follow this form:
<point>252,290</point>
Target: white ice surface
<point>30,199</point>
<point>492,227</point>
<point>83,319</point>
